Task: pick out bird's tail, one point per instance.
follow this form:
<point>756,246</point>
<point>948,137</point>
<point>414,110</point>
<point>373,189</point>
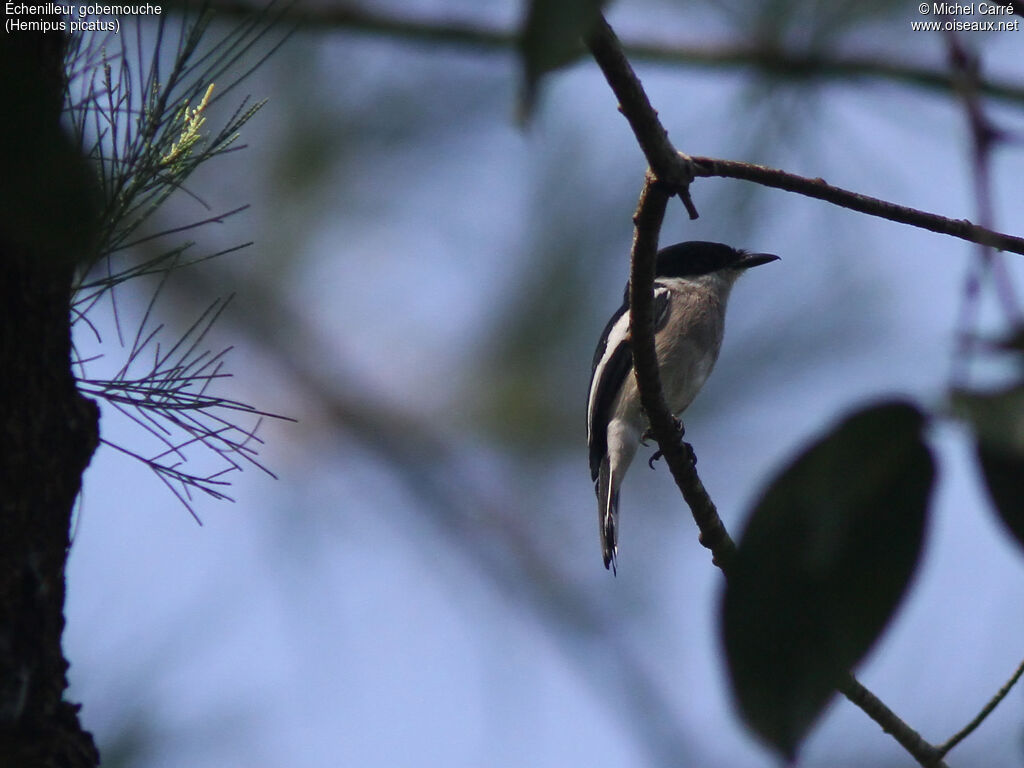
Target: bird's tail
<point>608,514</point>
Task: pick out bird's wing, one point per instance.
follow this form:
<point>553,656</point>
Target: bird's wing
<point>613,360</point>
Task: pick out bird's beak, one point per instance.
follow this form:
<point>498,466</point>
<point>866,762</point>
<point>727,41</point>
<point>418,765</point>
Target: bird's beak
<point>755,260</point>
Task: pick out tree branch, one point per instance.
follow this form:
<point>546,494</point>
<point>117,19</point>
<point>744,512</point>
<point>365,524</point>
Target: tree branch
<point>802,65</point>
<point>924,752</point>
<point>678,169</point>
<point>966,731</point>
<point>985,136</point>
<point>648,218</point>
<point>669,167</point>
<point>650,214</point>
<point>818,188</point>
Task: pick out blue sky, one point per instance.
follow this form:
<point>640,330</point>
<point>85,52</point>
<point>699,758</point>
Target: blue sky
<point>333,618</point>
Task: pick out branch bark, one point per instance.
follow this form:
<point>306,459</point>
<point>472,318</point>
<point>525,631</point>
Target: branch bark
<point>925,753</point>
<point>873,206</point>
<point>713,534</point>
<point>669,166</point>
<point>648,219</point>
<point>678,169</point>
<point>649,215</point>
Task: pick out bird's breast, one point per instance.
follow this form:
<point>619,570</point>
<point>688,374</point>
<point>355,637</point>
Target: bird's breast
<point>688,346</point>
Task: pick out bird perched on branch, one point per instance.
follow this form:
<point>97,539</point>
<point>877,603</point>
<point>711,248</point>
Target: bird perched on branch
<point>691,287</point>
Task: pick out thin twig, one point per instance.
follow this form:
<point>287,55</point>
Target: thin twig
<point>217,219</point>
<point>984,136</point>
<point>966,731</point>
<point>964,69</point>
<point>873,206</point>
<point>924,752</point>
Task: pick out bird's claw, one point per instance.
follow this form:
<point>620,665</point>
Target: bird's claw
<point>659,453</point>
<point>691,456</point>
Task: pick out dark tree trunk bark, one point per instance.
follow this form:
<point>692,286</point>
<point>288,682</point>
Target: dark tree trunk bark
<point>48,431</point>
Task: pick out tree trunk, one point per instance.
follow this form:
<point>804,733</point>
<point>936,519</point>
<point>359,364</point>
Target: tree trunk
<point>48,431</point>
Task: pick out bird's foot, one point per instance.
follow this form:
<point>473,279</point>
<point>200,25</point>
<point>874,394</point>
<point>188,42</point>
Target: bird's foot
<point>658,454</point>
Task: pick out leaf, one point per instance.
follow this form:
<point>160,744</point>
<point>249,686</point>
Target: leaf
<point>997,419</point>
<point>825,558</point>
<point>1003,473</point>
<point>551,37</point>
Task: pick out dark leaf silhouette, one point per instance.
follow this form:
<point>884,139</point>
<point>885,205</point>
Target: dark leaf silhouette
<point>551,37</point>
<point>997,420</point>
<point>824,560</point>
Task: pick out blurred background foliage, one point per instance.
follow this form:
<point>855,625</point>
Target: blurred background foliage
<point>423,584</point>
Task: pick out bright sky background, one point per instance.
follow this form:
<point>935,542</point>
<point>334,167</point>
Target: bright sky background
<point>325,619</point>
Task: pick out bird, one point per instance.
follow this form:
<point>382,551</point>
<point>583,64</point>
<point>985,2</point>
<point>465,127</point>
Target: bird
<point>691,288</point>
